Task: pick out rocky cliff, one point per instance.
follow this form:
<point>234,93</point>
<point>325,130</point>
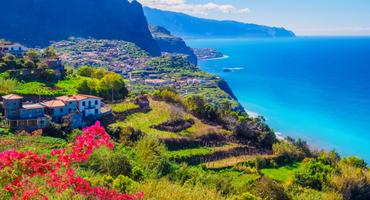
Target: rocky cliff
<point>171,44</point>
<point>37,22</point>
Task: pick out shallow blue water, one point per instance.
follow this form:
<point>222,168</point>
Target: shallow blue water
<point>315,88</point>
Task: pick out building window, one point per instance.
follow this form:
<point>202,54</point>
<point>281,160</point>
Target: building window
<point>83,103</point>
<point>69,110</point>
<point>61,110</point>
<point>96,102</point>
<point>96,111</point>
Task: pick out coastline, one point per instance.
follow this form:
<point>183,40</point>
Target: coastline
<point>301,109</point>
<point>280,136</point>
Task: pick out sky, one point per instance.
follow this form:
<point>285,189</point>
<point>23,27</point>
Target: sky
<point>304,17</point>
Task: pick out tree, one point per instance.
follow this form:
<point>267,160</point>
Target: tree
<point>354,161</point>
<point>28,63</point>
<point>288,151</point>
<point>85,71</point>
<point>33,55</point>
<point>114,85</point>
<point>99,73</point>
<point>89,86</point>
<point>195,104</point>
<point>10,61</point>
<point>49,52</point>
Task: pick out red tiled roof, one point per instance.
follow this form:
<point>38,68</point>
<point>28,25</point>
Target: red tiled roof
<point>53,104</point>
<point>12,97</point>
<point>80,97</point>
<point>67,98</point>
<point>76,97</point>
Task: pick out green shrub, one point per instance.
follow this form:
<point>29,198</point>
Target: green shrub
<point>167,95</point>
<point>354,161</point>
<point>129,136</point>
<point>137,174</point>
<point>122,183</point>
<point>352,182</point>
<point>107,161</point>
<point>269,190</point>
<point>315,173</point>
<point>247,196</point>
<point>153,156</point>
<point>288,151</point>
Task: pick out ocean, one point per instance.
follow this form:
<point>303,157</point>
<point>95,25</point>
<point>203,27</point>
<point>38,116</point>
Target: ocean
<point>314,88</point>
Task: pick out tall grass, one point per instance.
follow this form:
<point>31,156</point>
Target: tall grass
<point>163,189</point>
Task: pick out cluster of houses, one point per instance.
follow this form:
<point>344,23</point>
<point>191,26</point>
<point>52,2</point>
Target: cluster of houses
<point>76,109</point>
<point>19,50</point>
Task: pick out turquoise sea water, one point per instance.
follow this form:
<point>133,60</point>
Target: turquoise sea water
<point>315,88</point>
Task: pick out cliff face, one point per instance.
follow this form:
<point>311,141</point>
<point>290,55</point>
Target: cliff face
<point>188,26</point>
<point>37,22</point>
<point>172,44</point>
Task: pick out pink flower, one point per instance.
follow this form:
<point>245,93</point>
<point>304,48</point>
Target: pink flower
<point>57,172</point>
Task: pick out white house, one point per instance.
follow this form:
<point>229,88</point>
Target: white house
<point>13,48</point>
<point>88,105</point>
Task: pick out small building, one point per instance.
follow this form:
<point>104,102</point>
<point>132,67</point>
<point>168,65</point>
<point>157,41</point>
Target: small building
<point>56,65</point>
<point>19,116</point>
<point>88,105</point>
<point>55,109</point>
<point>76,108</point>
<point>12,48</point>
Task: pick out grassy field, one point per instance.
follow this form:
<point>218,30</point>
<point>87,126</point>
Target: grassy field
<point>64,87</point>
<point>123,107</point>
<point>161,113</point>
<point>283,173</point>
<point>186,153</point>
<point>39,144</point>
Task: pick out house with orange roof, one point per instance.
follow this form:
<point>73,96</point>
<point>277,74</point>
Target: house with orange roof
<point>23,116</point>
<point>77,109</point>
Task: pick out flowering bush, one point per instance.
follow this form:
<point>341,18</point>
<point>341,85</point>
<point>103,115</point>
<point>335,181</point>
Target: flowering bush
<point>22,172</point>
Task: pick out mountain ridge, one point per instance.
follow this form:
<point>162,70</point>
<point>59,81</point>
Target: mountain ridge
<point>53,20</point>
<point>188,26</point>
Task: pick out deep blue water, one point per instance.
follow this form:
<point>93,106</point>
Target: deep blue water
<point>314,88</point>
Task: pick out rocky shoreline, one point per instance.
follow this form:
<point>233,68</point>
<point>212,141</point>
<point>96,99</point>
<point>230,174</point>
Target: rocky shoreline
<point>207,53</point>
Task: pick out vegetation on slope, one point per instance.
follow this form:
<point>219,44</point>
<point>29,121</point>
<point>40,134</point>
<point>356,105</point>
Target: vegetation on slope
<point>224,154</point>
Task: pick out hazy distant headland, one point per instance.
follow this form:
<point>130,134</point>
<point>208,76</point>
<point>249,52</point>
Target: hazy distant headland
<point>188,26</point>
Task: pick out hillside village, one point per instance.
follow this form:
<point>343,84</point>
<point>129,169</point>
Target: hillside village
<point>142,71</point>
<point>177,132</point>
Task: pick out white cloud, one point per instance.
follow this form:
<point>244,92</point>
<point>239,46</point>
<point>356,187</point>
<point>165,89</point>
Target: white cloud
<point>200,9</point>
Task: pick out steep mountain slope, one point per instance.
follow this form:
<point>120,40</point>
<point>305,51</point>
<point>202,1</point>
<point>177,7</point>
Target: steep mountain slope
<point>188,26</point>
<point>172,44</point>
<point>37,22</point>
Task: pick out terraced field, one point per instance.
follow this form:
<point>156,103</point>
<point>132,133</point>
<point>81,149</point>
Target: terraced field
<point>161,113</point>
<point>202,143</point>
<point>235,160</point>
